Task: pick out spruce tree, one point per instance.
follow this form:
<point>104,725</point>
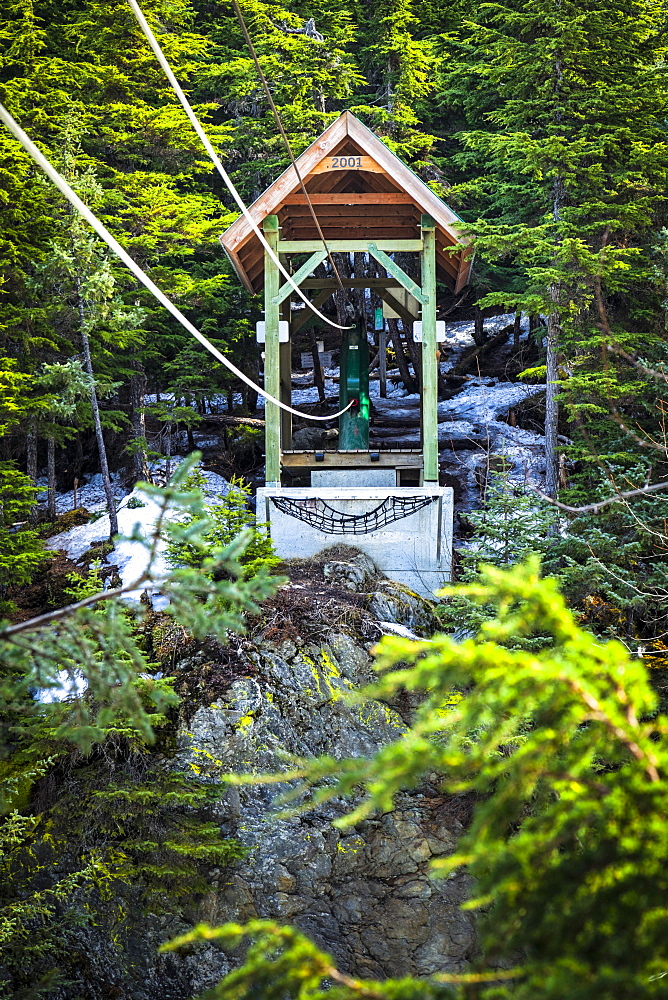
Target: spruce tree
<point>566,139</point>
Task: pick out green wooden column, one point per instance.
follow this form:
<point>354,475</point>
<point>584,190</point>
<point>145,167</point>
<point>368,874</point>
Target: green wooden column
<point>429,358</point>
<point>272,361</point>
<point>285,354</point>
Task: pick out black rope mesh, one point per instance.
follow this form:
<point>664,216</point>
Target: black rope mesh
<point>320,515</point>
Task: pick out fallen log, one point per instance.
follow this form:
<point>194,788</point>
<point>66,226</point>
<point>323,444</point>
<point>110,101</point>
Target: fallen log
<point>227,420</point>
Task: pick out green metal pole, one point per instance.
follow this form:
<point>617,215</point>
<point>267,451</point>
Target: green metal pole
<point>272,371</point>
<point>354,384</point>
<point>429,354</point>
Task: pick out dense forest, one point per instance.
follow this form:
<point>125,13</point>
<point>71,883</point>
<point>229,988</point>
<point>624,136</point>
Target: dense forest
<point>535,697</point>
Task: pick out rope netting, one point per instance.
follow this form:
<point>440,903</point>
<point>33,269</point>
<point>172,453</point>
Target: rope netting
<point>318,514</point>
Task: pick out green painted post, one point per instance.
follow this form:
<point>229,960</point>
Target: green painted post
<point>272,372</point>
<point>285,354</point>
<point>429,354</point>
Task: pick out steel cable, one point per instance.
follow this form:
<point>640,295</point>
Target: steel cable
<point>132,265</point>
<point>151,39</point>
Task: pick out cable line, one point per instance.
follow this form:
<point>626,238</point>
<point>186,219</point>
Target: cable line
<point>279,123</point>
<point>115,246</point>
<point>151,39</point>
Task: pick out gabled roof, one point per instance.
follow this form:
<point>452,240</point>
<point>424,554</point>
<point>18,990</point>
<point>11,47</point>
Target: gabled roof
<point>377,197</point>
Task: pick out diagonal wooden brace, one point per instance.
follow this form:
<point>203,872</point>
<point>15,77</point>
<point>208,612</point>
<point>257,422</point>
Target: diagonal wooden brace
<point>396,272</point>
<point>303,272</point>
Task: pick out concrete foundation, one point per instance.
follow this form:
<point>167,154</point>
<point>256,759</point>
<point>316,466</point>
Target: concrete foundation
<point>408,534</point>
<point>353,477</point>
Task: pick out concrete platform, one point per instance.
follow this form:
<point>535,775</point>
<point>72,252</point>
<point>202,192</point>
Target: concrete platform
<point>406,531</point>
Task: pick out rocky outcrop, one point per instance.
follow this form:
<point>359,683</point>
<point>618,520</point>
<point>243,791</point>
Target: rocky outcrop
<point>364,894</point>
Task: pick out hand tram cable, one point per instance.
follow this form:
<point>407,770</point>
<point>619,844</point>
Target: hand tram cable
<point>286,141</point>
<point>132,265</point>
<point>215,159</point>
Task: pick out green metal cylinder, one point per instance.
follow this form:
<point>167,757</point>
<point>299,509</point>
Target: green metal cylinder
<point>354,384</point>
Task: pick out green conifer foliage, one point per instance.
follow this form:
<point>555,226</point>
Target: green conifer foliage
<point>565,758</point>
<point>229,517</point>
<point>94,823</point>
<point>567,146</point>
<point>512,524</point>
<point>21,549</point>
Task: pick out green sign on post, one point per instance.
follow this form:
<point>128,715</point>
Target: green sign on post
<point>378,321</point>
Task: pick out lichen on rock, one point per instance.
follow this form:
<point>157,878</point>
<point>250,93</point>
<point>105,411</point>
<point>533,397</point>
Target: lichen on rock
<point>364,895</point>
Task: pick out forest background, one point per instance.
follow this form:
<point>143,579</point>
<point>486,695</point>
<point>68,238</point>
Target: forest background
<point>543,124</point>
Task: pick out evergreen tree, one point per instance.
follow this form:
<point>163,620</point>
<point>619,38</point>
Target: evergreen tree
<point>564,756</point>
<point>21,550</point>
<point>566,140</point>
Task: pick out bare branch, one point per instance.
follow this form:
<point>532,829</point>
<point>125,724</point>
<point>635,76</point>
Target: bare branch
<point>649,760</point>
<point>70,609</point>
<point>650,372</point>
<point>593,508</point>
<point>604,325</point>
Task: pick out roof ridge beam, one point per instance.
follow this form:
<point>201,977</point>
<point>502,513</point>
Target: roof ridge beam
<point>350,246</point>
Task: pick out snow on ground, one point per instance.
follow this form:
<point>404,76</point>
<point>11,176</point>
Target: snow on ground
<point>471,429</point>
<point>483,403</point>
<point>394,628</point>
<point>459,336</point>
<point>130,555</point>
<point>90,494</point>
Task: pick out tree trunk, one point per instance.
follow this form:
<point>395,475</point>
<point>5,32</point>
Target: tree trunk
<point>345,310</point>
<point>102,451</point>
<point>31,464</point>
<point>79,457</point>
<point>168,452</point>
<point>551,405</point>
<point>382,363</point>
<point>414,353</point>
<point>552,356</point>
<point>478,327</point>
<point>137,392</point>
<point>359,294</point>
<point>251,368</point>
<point>409,382</point>
<point>51,474</point>
<point>317,368</point>
<point>517,329</point>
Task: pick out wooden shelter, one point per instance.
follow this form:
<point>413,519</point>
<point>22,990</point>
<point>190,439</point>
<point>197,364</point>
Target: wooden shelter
<point>366,200</point>
<point>361,193</point>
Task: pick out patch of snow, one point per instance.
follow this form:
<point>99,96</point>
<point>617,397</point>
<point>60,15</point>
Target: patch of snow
<point>483,403</point>
<point>215,487</point>
<point>90,493</point>
<point>206,442</point>
<point>136,526</point>
<point>68,686</point>
<point>459,336</point>
<point>394,628</point>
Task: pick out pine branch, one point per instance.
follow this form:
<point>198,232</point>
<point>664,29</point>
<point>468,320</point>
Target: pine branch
<point>70,609</point>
